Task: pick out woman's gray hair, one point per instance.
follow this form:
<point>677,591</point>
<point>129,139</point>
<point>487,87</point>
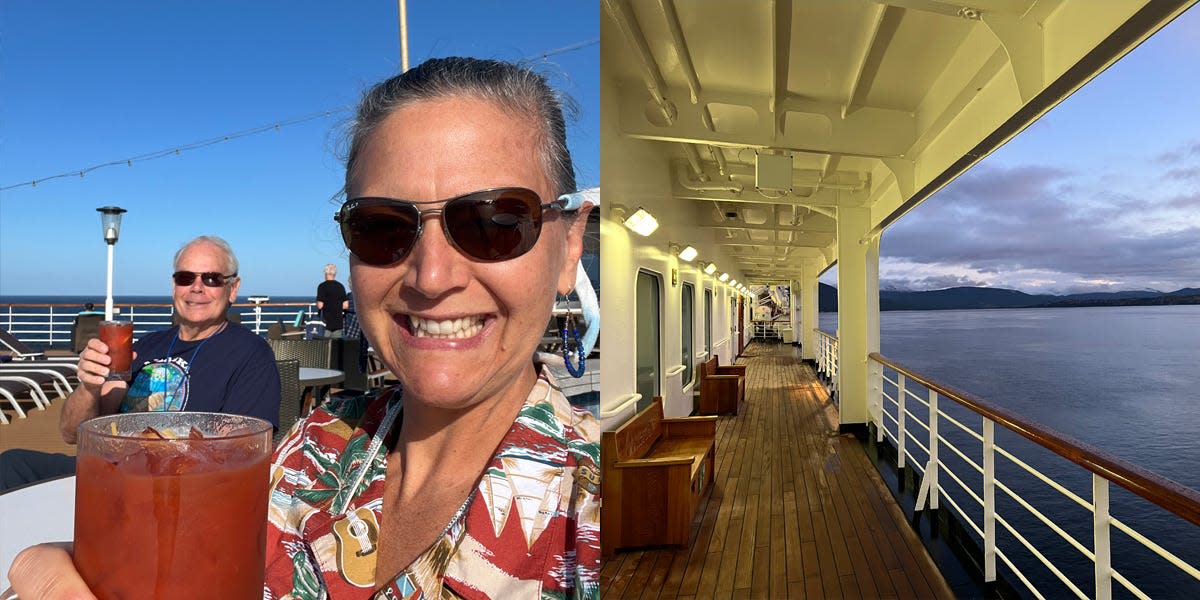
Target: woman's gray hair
<point>231,261</point>
<point>512,87</point>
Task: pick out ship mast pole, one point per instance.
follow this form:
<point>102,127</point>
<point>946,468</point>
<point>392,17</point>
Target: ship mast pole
<point>403,35</point>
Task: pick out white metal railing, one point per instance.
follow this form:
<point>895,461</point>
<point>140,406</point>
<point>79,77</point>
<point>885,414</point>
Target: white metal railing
<point>907,418</point>
<point>49,325</point>
<point>827,359</point>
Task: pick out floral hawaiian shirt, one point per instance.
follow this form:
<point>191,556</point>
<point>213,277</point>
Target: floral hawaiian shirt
<point>530,528</point>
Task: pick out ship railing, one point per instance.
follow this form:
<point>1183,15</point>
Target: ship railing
<point>49,325</point>
<point>827,359</point>
<point>905,409</point>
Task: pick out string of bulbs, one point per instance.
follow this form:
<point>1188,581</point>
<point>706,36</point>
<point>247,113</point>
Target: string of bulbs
<point>276,126</point>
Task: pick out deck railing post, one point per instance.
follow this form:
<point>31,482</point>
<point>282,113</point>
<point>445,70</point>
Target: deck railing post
<point>1100,531</point>
<point>901,432</point>
<point>50,342</point>
<point>989,500</point>
<point>877,398</point>
<point>933,450</point>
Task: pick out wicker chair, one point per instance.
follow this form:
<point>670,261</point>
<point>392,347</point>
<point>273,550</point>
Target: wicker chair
<point>345,352</point>
<point>310,353</point>
<point>289,395</point>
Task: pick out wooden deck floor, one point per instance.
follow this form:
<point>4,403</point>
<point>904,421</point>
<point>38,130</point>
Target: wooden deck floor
<point>37,431</point>
<point>797,510</point>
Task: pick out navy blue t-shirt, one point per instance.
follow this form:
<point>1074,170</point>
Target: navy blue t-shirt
<point>232,371</point>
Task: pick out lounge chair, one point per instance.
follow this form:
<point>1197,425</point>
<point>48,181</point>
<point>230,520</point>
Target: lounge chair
<point>43,373</point>
<point>15,385</point>
<point>21,351</point>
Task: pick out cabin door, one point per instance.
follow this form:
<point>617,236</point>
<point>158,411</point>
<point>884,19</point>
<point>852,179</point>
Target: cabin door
<point>741,319</point>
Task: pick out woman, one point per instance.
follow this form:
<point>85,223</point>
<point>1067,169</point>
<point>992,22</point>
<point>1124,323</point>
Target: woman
<point>475,477</point>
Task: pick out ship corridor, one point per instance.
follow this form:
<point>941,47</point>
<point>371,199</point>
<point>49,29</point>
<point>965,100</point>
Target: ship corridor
<point>797,511</point>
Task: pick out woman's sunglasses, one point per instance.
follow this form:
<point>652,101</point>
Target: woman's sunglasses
<point>186,278</point>
<point>489,225</point>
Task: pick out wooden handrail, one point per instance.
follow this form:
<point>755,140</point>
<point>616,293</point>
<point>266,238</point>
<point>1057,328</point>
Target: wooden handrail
<point>1181,500</point>
<point>826,334</point>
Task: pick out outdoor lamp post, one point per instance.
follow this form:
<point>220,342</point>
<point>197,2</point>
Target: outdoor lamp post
<point>110,225</point>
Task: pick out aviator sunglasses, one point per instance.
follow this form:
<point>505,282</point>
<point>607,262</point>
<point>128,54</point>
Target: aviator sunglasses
<point>489,225</point>
<point>210,279</point>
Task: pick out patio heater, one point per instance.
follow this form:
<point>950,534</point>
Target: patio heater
<point>110,225</point>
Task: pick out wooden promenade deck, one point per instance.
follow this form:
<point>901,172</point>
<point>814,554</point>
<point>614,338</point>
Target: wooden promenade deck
<point>797,511</point>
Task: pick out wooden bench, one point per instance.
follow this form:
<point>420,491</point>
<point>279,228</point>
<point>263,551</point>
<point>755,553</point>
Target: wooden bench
<point>655,471</point>
<point>722,388</point>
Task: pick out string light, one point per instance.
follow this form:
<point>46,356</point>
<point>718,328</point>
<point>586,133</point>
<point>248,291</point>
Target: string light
<point>178,149</point>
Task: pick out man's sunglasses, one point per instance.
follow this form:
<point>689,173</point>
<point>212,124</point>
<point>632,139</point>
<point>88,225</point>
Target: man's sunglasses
<point>488,225</point>
<point>211,279</point>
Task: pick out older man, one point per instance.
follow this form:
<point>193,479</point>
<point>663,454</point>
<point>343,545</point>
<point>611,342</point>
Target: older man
<point>204,363</point>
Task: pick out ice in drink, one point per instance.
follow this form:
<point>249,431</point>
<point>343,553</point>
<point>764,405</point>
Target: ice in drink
<point>118,336</point>
<point>180,517</point>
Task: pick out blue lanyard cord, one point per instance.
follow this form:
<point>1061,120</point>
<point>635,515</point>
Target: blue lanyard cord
<point>171,394</point>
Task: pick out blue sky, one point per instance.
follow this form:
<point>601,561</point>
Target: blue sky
<point>1100,194</point>
<point>86,83</point>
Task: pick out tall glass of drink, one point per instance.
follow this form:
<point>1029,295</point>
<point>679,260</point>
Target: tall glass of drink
<point>118,336</point>
<point>172,505</point>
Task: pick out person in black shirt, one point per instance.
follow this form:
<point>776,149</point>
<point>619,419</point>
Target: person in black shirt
<point>332,302</point>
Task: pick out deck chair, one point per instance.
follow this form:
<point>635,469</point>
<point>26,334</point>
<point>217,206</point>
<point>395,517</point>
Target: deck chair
<point>15,385</point>
<point>21,351</point>
<point>310,353</point>
<point>289,395</point>
<point>83,329</point>
<point>49,375</point>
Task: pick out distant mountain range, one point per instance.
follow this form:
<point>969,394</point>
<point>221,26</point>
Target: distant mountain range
<point>981,297</point>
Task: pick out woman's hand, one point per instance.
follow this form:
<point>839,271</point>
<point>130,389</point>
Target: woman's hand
<point>46,572</point>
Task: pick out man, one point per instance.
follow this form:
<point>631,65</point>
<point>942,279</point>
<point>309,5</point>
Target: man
<point>332,302</point>
<point>204,363</point>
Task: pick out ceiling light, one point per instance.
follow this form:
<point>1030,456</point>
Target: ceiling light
<point>724,276</point>
<point>710,268</point>
<point>688,253</point>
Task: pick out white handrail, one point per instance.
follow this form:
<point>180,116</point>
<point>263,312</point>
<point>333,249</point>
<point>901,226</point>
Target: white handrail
<point>677,369</point>
<point>891,390</point>
<point>51,324</point>
<point>622,402</point>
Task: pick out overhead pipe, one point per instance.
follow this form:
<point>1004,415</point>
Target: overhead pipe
<point>693,158</point>
<point>722,166</point>
<point>681,49</point>
<point>654,81</point>
<point>829,211</point>
<point>687,183</point>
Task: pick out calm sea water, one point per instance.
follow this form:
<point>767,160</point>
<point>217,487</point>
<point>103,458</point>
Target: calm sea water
<point>1123,379</point>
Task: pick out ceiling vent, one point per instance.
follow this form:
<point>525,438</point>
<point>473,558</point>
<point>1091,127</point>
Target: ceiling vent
<point>773,172</point>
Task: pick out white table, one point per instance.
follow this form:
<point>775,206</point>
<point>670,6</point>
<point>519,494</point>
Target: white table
<point>44,512</point>
<point>312,376</point>
<point>314,383</point>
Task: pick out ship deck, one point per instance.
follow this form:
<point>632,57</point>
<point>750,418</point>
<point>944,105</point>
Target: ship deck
<point>797,511</point>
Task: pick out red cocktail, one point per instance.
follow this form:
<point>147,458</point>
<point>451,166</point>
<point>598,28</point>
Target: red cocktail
<point>178,510</point>
<point>118,336</point>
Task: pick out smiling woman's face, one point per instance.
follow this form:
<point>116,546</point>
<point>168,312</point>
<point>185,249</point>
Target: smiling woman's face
<point>456,331</point>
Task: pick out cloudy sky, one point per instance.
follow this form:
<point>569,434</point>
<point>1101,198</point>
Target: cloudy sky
<point>1101,194</point>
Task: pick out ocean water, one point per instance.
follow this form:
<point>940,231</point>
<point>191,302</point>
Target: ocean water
<point>1122,379</point>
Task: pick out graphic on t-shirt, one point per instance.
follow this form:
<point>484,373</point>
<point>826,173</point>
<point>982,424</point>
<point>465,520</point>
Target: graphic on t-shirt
<point>160,385</point>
